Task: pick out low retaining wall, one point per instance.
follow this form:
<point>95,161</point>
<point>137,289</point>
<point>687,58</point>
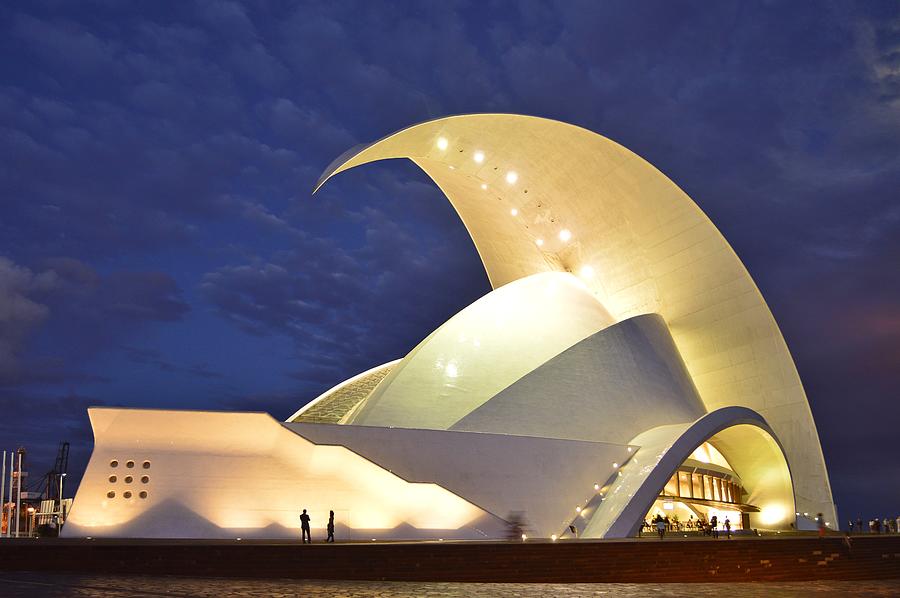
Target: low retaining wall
<point>781,559</point>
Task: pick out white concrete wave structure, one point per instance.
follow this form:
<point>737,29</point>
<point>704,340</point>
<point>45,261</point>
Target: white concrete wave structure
<point>625,364</point>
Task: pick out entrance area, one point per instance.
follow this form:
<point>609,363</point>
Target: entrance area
<point>703,487</point>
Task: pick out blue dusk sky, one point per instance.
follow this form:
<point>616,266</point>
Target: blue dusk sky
<point>159,246</point>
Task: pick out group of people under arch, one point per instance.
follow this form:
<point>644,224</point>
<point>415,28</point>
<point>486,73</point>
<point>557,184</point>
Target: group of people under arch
<point>662,524</point>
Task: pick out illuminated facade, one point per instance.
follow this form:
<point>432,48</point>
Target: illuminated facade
<point>625,363</point>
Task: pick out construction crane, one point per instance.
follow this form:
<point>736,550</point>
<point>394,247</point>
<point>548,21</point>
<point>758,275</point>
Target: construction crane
<point>55,476</point>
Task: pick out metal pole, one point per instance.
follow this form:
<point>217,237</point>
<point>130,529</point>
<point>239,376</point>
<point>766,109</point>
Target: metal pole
<point>62,516</point>
<point>3,488</point>
<point>12,457</point>
<point>19,496</point>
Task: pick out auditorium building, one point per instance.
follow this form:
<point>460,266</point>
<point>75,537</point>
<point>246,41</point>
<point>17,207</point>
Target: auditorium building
<point>624,364</point>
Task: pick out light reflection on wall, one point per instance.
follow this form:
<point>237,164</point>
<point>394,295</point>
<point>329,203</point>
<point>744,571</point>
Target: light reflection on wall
<point>707,453</point>
<point>223,480</point>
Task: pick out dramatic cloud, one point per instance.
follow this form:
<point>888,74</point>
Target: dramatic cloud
<point>86,312</point>
<point>347,310</point>
<point>19,315</point>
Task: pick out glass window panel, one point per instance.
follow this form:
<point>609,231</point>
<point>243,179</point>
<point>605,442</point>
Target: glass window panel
<point>707,488</point>
<point>697,481</point>
<point>672,486</point>
<point>717,494</point>
<point>684,484</point>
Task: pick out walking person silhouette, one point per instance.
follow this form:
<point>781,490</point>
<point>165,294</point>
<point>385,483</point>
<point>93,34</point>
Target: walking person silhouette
<point>330,537</point>
<point>304,528</point>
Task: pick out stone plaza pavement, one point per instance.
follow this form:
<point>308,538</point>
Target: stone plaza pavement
<point>39,585</point>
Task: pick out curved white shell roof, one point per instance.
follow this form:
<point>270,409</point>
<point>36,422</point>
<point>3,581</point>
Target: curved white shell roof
<point>538,195</point>
<point>482,350</point>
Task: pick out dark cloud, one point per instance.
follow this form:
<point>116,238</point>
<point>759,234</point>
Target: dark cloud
<point>81,312</point>
<point>38,422</point>
<point>169,153</point>
<point>154,358</point>
<point>19,315</point>
<point>348,309</point>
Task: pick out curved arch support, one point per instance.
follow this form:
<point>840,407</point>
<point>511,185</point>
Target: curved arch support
<point>745,438</point>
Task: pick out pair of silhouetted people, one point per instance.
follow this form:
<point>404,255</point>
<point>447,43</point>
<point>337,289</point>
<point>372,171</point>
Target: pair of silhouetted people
<point>304,527</point>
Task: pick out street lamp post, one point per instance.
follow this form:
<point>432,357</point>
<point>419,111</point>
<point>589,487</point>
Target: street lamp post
<point>12,456</point>
<point>19,494</point>
<point>62,515</point>
<point>3,488</point>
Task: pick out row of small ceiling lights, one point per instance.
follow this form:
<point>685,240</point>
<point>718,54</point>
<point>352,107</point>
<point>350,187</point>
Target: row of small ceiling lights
<point>582,510</point>
<point>565,235</point>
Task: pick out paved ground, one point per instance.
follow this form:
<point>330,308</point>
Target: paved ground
<point>37,585</point>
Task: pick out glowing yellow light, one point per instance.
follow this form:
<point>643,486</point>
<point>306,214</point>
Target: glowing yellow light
<point>484,186</point>
<point>514,212</point>
<point>668,506</point>
<point>511,177</point>
<point>539,242</point>
<point>451,370</point>
<point>578,509</point>
<point>588,272</point>
<point>452,167</point>
<point>524,537</point>
<point>629,449</point>
<point>772,514</point>
<point>615,466</point>
<point>478,157</point>
<point>564,235</point>
<point>553,537</point>
<point>596,486</point>
<point>442,143</point>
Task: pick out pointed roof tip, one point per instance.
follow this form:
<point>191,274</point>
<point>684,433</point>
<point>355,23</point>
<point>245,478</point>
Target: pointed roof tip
<point>335,166</point>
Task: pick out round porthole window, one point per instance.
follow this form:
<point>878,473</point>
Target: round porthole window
<point>129,464</point>
<point>143,494</point>
<point>127,494</point>
<point>128,479</point>
<point>113,463</point>
<point>112,479</point>
<point>146,465</point>
<point>110,494</point>
<point>145,479</point>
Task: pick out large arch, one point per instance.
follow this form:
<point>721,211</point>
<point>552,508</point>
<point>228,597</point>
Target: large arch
<point>746,440</point>
<point>538,195</point>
